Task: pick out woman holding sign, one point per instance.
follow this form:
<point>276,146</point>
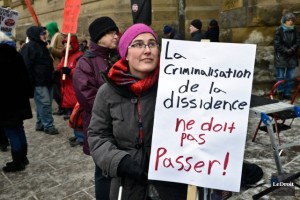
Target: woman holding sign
<point>120,131</point>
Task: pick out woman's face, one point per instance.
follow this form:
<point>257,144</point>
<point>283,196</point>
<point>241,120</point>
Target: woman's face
<point>289,22</point>
<point>109,40</point>
<point>192,29</point>
<point>142,55</point>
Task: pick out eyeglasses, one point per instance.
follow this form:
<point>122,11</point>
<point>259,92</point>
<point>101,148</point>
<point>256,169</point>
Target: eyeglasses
<point>112,33</point>
<point>140,45</point>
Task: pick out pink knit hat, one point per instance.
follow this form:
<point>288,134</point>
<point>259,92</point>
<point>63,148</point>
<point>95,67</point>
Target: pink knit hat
<point>131,33</point>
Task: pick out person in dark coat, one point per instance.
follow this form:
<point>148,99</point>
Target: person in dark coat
<point>40,66</point>
<point>83,45</point>
<point>213,31</point>
<point>56,50</point>
<point>171,33</point>
<point>120,131</point>
<point>15,106</point>
<point>196,30</point>
<point>286,44</point>
<point>104,35</point>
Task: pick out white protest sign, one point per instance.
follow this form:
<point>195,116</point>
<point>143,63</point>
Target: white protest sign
<point>201,113</point>
<point>8,20</point>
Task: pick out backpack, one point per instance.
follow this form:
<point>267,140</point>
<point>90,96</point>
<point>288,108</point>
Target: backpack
<point>76,118</point>
<point>251,174</point>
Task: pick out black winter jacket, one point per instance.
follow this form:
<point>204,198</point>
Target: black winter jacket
<point>15,87</point>
<point>37,58</point>
<point>213,34</point>
<point>197,36</point>
<point>283,41</point>
<point>175,35</point>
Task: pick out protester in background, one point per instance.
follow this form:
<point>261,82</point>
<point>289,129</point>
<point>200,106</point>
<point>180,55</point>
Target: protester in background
<point>120,131</point>
<point>56,49</point>
<point>213,31</point>
<point>40,66</point>
<point>56,45</point>
<point>195,30</point>
<point>69,99</point>
<point>171,33</point>
<point>83,45</point>
<point>15,106</point>
<point>286,44</point>
<point>87,80</point>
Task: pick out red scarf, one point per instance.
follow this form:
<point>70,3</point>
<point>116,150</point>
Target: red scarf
<point>120,75</point>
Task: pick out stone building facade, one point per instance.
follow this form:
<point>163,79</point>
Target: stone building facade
<point>241,21</point>
<point>254,22</point>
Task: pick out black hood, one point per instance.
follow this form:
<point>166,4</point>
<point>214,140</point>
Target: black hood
<point>34,33</point>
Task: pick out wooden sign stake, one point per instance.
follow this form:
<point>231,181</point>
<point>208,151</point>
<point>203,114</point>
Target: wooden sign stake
<point>192,192</point>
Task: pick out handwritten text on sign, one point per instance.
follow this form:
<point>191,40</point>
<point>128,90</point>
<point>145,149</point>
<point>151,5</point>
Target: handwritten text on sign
<point>71,13</point>
<point>201,113</point>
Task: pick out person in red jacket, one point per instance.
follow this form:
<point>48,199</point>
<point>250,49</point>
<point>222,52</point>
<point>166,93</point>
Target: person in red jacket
<point>69,99</point>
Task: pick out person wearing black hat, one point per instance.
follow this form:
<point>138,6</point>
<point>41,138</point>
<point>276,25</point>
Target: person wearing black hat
<point>104,37</point>
<point>171,33</point>
<point>213,31</point>
<point>195,30</point>
<point>40,65</point>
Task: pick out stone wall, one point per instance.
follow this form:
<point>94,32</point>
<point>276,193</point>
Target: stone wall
<point>241,21</point>
<point>163,12</point>
<point>255,22</point>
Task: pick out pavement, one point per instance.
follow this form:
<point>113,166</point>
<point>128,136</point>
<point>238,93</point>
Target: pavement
<point>59,171</point>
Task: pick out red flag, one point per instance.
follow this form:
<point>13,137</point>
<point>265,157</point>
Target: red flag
<point>71,13</point>
<point>31,11</point>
